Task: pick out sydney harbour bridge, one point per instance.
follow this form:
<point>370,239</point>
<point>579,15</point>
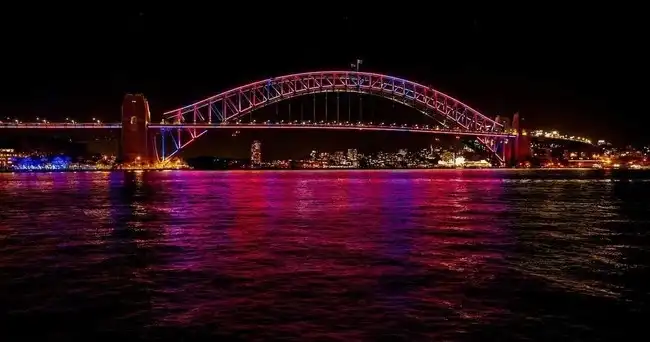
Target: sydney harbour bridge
<point>502,138</point>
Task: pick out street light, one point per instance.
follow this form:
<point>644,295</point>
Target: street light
<point>357,64</point>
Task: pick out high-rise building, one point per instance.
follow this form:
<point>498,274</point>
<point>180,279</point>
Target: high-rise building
<point>135,146</point>
<point>256,153</point>
<point>353,157</point>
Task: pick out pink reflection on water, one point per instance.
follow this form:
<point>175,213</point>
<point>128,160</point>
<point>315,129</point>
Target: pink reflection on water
<point>382,245</point>
<point>249,204</point>
<point>365,230</point>
<point>198,207</point>
<point>466,238</point>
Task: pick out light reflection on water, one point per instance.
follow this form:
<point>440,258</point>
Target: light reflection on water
<point>348,255</point>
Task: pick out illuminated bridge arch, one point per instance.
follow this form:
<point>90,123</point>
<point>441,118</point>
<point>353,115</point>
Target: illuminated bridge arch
<point>232,104</point>
<point>229,106</point>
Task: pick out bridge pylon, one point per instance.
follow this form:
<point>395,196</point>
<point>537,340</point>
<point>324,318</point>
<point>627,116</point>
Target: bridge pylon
<point>521,151</point>
<point>135,147</point>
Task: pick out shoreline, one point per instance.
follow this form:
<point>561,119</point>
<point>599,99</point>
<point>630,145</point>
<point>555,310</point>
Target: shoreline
<point>323,170</point>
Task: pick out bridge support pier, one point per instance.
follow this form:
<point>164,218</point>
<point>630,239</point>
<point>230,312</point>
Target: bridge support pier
<point>521,148</point>
<point>135,147</point>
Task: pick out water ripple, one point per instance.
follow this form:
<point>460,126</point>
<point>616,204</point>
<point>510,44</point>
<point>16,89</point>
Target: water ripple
<point>345,255</point>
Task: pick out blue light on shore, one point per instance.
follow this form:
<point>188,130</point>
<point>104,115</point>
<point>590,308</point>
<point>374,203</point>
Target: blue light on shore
<point>46,163</point>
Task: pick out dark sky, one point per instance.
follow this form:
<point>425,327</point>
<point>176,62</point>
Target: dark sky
<point>578,69</point>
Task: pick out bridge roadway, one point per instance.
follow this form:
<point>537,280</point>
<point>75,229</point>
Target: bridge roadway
<point>38,125</point>
<point>236,126</point>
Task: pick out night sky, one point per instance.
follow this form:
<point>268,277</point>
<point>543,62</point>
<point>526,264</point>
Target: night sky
<point>580,70</point>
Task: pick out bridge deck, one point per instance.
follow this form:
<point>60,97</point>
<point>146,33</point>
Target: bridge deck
<point>60,126</point>
<point>260,126</point>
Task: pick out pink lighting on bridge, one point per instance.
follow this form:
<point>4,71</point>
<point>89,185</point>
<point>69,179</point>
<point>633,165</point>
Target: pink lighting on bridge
<point>347,80</point>
<point>227,107</point>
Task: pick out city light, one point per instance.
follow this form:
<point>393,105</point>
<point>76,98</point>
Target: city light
<point>44,163</point>
<point>557,135</point>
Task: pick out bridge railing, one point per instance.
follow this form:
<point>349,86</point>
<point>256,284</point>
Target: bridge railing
<point>62,125</point>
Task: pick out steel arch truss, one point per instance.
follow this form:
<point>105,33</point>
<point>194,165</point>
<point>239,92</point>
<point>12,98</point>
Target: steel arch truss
<point>230,105</point>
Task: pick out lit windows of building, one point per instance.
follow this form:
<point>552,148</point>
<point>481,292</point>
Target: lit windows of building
<point>256,153</point>
<point>7,156</point>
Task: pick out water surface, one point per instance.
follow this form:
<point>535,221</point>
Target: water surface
<point>318,255</point>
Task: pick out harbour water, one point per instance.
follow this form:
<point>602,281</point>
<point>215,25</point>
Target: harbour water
<point>440,255</point>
